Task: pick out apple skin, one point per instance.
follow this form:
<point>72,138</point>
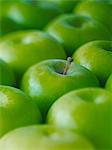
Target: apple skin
<point>89,111</point>
<point>44,137</point>
<point>108,84</point>
<point>73,30</point>
<point>16,110</point>
<point>24,48</point>
<point>32,16</point>
<point>100,11</point>
<point>6,74</point>
<point>44,82</point>
<point>97,57</point>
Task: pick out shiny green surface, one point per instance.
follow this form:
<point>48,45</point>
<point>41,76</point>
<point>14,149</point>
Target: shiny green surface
<point>44,82</point>
<point>32,15</point>
<point>89,111</point>
<point>73,30</point>
<point>101,11</point>
<point>16,110</point>
<point>44,138</point>
<point>6,74</point>
<point>25,48</point>
<point>97,57</point>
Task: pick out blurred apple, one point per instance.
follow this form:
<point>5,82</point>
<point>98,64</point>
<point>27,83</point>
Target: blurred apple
<point>44,137</point>
<point>73,30</point>
<point>24,48</point>
<point>99,10</point>
<point>32,15</point>
<point>16,110</point>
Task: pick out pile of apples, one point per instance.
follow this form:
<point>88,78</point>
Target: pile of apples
<point>55,74</point>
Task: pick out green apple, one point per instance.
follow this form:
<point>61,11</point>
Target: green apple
<point>32,15</point>
<point>97,57</point>
<point>44,137</point>
<point>89,111</point>
<point>16,110</point>
<point>46,81</point>
<point>74,30</point>
<point>108,84</point>
<point>6,74</point>
<point>66,5</point>
<point>101,11</point>
<point>24,48</point>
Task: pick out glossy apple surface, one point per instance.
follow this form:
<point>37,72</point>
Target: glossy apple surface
<point>16,110</point>
<point>89,111</point>
<point>24,48</point>
<point>101,11</point>
<point>97,57</point>
<point>73,30</point>
<point>6,74</point>
<point>45,81</point>
<point>32,15</point>
<point>44,138</point>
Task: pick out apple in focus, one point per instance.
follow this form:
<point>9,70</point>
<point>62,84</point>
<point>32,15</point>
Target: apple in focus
<point>88,111</point>
<point>48,80</point>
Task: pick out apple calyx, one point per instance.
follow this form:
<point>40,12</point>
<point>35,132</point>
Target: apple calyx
<point>67,66</point>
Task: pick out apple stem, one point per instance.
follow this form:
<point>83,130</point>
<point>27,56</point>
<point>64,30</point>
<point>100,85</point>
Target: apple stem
<point>67,66</point>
